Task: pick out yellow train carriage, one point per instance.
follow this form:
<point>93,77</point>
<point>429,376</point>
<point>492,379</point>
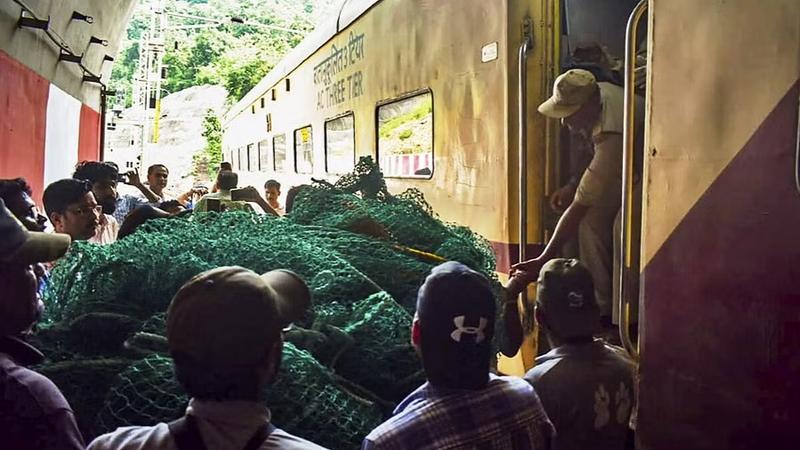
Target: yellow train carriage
<point>425,88</point>
<point>432,91</point>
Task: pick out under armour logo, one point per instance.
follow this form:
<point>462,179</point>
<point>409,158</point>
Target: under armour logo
<point>461,329</point>
<point>575,299</point>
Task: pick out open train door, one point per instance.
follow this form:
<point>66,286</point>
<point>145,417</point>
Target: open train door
<point>720,284</point>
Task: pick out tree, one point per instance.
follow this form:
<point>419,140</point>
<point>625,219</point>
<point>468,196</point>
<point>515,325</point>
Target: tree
<point>207,162</point>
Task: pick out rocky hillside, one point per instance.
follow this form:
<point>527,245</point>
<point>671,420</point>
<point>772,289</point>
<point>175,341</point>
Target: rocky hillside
<point>180,134</point>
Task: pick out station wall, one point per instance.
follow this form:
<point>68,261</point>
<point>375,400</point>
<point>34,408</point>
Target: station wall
<point>44,131</point>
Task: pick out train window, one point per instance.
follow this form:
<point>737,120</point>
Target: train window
<point>241,161</point>
<point>269,122</point>
<point>279,153</point>
<point>340,144</point>
<point>252,158</point>
<point>405,136</point>
<point>263,155</point>
<point>303,150</point>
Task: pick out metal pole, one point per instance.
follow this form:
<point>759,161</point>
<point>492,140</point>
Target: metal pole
<point>524,51</point>
<point>626,212</point>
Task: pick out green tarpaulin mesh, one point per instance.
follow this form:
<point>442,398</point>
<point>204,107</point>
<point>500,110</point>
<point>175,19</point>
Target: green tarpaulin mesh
<point>364,254</point>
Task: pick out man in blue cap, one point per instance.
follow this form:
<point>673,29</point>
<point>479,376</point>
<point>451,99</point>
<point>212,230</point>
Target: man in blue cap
<point>33,412</point>
<point>462,405</point>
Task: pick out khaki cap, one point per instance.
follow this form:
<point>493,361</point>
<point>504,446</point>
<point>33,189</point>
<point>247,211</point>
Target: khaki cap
<point>20,246</point>
<point>565,292</point>
<point>571,90</point>
<point>229,316</point>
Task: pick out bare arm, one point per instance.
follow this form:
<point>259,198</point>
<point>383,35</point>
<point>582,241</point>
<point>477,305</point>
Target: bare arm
<point>134,180</point>
<point>513,324</point>
<point>566,229</point>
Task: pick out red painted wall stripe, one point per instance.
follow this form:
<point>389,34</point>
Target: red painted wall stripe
<point>23,102</point>
<point>89,135</point>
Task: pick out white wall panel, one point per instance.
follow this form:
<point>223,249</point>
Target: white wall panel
<point>61,136</point>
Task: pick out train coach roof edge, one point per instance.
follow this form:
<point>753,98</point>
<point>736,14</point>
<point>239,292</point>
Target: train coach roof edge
<point>349,12</point>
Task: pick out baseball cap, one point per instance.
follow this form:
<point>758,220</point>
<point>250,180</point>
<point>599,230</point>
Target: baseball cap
<point>455,306</point>
<point>229,315</point>
<point>20,246</point>
<point>570,91</point>
<point>565,293</point>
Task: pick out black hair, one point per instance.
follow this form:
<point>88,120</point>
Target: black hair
<point>208,382</point>
<point>169,204</point>
<point>227,180</point>
<point>291,194</point>
<point>11,188</point>
<point>272,183</point>
<point>154,166</point>
<point>225,166</point>
<point>95,171</point>
<point>62,193</point>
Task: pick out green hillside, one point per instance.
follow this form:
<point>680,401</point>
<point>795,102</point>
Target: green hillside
<point>233,55</point>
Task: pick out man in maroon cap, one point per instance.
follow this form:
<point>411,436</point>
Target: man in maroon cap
<point>33,412</point>
<point>224,329</point>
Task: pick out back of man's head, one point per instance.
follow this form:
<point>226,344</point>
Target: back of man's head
<point>224,328</point>
<point>456,315</point>
<point>14,188</point>
<point>227,180</point>
<point>62,193</point>
<point>95,171</point>
<point>566,301</point>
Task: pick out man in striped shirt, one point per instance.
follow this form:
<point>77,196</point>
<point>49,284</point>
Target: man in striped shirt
<point>462,405</point>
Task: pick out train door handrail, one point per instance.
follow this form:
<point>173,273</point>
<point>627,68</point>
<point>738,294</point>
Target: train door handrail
<point>797,150</point>
<point>626,212</point>
<point>522,103</point>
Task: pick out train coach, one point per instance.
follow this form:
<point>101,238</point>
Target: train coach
<point>443,94</point>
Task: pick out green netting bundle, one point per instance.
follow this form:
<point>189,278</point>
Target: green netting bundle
<point>382,359</point>
<point>363,252</point>
<point>305,399</point>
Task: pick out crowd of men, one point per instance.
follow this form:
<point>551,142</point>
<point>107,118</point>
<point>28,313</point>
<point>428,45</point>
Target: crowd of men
<point>225,326</point>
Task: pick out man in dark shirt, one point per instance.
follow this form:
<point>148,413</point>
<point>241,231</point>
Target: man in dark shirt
<point>33,412</point>
<point>586,386</point>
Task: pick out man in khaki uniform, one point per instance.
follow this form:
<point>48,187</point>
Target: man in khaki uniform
<point>594,110</point>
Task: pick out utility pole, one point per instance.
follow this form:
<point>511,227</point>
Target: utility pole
<point>149,71</point>
<point>148,77</point>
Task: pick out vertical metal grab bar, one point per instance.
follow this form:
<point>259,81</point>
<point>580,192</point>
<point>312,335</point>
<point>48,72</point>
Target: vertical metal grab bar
<point>627,176</point>
<point>797,151</point>
<point>524,51</point>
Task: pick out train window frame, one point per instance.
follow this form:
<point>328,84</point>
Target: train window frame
<point>251,147</point>
<point>263,154</point>
<point>325,139</point>
<point>294,149</point>
<point>274,156</point>
<point>396,99</point>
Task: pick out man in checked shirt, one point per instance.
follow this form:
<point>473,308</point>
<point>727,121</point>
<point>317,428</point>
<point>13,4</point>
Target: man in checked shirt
<point>462,405</point>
